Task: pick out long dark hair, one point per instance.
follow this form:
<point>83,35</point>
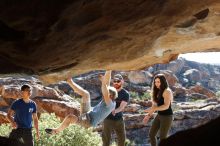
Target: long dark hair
<point>163,85</point>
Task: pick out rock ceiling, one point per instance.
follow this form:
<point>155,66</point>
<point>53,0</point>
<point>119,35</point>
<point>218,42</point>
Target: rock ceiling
<point>54,39</point>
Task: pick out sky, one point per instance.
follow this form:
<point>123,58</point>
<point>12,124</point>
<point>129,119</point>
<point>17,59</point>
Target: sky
<point>210,57</point>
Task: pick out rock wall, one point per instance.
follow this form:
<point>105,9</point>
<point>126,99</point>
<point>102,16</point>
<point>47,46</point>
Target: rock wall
<point>54,39</point>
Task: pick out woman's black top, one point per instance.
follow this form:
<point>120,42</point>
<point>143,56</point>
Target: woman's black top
<point>160,101</point>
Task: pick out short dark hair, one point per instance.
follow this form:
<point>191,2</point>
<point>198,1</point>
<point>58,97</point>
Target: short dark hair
<point>23,87</point>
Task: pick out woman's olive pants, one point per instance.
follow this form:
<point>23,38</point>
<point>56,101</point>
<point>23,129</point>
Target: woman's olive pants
<point>161,123</point>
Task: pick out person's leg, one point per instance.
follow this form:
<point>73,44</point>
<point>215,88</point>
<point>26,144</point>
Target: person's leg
<point>70,119</point>
<point>166,122</point>
<point>85,104</point>
<point>153,130</point>
<point>15,134</point>
<point>85,107</point>
<point>27,138</point>
<point>106,134</point>
<point>120,132</point>
<point>86,101</point>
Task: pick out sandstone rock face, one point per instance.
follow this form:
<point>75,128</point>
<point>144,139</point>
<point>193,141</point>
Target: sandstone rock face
<point>54,39</point>
<point>202,90</point>
<point>175,67</point>
<point>52,100</point>
<point>187,115</point>
<point>60,108</point>
<point>171,77</point>
<point>179,91</point>
<point>48,99</point>
<point>202,135</point>
<point>193,75</point>
<point>3,118</point>
<point>138,77</point>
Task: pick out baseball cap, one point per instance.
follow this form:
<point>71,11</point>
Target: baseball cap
<point>118,77</point>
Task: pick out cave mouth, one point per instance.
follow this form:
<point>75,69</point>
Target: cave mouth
<point>203,57</point>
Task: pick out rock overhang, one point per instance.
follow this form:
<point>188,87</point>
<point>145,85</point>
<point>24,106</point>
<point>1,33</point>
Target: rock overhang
<point>55,39</point>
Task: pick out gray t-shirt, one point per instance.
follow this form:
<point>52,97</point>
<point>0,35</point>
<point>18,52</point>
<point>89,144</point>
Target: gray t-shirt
<point>100,112</point>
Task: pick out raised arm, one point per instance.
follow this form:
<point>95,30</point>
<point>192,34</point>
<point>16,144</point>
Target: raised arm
<point>105,83</point>
<point>107,77</point>
<point>78,89</point>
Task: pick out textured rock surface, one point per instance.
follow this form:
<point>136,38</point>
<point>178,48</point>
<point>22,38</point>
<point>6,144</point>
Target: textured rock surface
<point>46,37</point>
<point>52,100</point>
<point>186,116</point>
<point>206,134</point>
<point>48,99</point>
<point>202,90</point>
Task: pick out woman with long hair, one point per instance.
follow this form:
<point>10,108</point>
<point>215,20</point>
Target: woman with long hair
<point>162,98</point>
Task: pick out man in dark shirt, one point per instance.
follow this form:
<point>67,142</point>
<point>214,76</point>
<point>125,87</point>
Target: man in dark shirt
<point>115,121</point>
<point>23,110</point>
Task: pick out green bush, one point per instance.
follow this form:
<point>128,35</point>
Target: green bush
<point>5,129</point>
<point>74,135</point>
<point>145,96</point>
<point>134,95</point>
<point>218,94</point>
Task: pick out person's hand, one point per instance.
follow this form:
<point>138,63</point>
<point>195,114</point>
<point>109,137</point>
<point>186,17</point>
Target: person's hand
<point>69,79</point>
<point>154,106</point>
<point>113,113</point>
<point>146,119</point>
<point>150,110</point>
<point>38,136</point>
<point>14,125</point>
<point>101,77</point>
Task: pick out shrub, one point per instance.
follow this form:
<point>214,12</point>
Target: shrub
<point>5,129</point>
<point>134,95</point>
<point>74,135</point>
<point>144,96</point>
<point>218,94</point>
